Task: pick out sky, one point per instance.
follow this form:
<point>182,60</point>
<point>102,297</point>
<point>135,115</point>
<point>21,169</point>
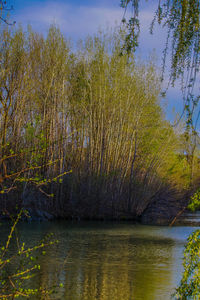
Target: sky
<point>79,18</point>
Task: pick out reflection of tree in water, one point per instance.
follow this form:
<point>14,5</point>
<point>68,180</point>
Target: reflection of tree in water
<point>117,267</point>
<point>152,271</point>
<point>105,264</point>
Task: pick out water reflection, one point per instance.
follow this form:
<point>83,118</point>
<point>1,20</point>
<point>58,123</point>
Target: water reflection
<point>109,261</point>
<point>119,267</point>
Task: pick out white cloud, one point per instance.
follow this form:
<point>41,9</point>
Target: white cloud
<point>78,21</point>
<point>74,21</point>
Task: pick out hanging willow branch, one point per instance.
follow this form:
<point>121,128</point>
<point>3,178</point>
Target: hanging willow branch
<point>181,18</point>
<point>4,9</point>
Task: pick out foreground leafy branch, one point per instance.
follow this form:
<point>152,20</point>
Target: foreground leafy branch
<point>17,269</point>
<point>189,287</point>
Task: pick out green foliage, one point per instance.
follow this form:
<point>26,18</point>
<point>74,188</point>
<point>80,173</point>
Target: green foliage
<point>94,111</point>
<point>195,201</point>
<point>189,287</point>
<point>181,21</point>
<point>16,269</point>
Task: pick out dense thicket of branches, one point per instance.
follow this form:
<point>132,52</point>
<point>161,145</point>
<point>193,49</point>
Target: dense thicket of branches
<point>93,112</point>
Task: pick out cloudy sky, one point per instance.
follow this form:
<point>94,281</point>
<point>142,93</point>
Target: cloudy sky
<point>78,18</point>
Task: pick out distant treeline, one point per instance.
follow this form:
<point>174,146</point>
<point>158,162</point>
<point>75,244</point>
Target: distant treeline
<point>92,112</point>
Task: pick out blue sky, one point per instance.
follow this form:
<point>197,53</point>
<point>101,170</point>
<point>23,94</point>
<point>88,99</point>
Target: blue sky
<point>78,18</point>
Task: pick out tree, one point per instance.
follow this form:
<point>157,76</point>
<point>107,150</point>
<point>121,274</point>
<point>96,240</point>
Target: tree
<point>181,20</point>
<point>96,113</point>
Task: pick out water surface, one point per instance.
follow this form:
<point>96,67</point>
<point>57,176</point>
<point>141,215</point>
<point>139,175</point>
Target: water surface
<point>104,261</point>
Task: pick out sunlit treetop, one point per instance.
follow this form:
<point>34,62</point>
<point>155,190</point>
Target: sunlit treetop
<point>180,18</point>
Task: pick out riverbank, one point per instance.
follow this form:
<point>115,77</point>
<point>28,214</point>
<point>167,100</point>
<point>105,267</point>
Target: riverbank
<point>168,207</point>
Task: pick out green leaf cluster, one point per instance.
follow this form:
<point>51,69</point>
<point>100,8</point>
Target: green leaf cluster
<point>195,201</point>
<point>23,265</point>
<point>189,287</point>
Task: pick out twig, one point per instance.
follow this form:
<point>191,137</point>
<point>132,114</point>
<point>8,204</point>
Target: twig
<point>178,214</point>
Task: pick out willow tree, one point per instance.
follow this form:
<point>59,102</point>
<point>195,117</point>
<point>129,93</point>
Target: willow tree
<point>181,20</point>
<point>94,112</point>
<point>32,83</point>
<point>117,128</point>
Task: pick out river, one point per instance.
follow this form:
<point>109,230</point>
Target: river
<point>108,260</point>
